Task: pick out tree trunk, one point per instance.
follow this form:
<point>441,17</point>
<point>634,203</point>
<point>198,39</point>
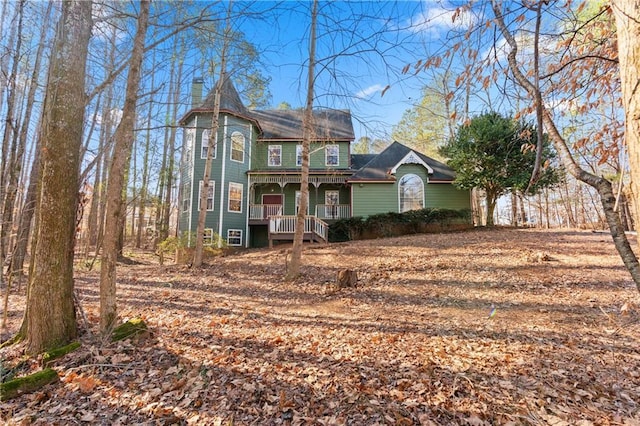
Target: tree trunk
<point>628,31</point>
<point>293,269</point>
<point>9,163</point>
<point>166,208</point>
<point>121,154</point>
<point>24,225</point>
<point>204,192</point>
<point>50,314</point>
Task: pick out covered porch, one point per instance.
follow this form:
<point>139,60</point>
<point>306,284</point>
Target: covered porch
<point>278,195</point>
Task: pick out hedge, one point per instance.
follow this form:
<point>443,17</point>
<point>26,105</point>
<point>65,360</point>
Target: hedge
<point>393,224</point>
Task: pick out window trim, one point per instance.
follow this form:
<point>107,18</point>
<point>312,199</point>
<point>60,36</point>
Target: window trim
<point>400,199</point>
<point>203,153</point>
<point>239,231</point>
<point>189,141</point>
<point>244,141</point>
<point>327,156</point>
<point>186,197</point>
<point>275,147</point>
<point>205,237</point>
<point>212,189</point>
<point>236,185</point>
<point>299,155</point>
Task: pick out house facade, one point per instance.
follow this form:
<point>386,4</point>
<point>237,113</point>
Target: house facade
<point>254,186</point>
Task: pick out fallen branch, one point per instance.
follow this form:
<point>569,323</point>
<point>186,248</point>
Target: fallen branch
<point>27,384</point>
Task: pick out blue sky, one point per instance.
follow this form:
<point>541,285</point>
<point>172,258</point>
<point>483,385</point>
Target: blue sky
<point>362,48</point>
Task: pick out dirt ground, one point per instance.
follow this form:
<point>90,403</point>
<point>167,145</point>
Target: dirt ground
<point>487,327</point>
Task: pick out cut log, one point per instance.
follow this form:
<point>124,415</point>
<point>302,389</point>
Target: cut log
<point>27,384</point>
<point>347,278</point>
<point>130,328</point>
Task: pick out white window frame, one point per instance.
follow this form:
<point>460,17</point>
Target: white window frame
<point>234,185</point>
<point>207,237</point>
<point>235,139</point>
<point>189,140</point>
<point>330,208</point>
<point>273,148</point>
<point>327,155</point>
<point>204,145</point>
<point>402,201</point>
<point>297,202</point>
<point>298,155</point>
<point>238,236</point>
<point>186,197</point>
<point>211,195</point>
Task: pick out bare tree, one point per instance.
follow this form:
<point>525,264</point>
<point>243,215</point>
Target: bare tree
<point>293,268</point>
<point>121,154</point>
<point>49,318</point>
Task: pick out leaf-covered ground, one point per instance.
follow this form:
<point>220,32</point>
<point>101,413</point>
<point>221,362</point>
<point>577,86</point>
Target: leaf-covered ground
<point>479,328</point>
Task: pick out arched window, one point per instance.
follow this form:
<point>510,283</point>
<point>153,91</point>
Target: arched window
<point>411,193</point>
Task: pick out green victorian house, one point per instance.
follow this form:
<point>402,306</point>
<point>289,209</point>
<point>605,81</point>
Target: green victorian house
<point>255,179</point>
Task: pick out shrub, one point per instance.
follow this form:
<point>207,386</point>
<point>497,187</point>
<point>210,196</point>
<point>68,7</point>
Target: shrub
<point>394,224</point>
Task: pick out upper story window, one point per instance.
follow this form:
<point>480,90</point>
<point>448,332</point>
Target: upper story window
<point>275,156</point>
<point>206,136</point>
<point>189,138</point>
<point>410,193</point>
<point>298,155</point>
<point>237,146</point>
<point>331,155</point>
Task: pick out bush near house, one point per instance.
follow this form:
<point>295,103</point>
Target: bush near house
<point>393,224</point>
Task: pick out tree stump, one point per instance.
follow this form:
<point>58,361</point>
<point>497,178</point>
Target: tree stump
<point>347,278</point>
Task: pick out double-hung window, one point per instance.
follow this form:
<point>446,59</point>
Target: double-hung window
<point>237,147</point>
<point>234,237</point>
<point>298,155</point>
<point>212,185</point>
<point>235,197</point>
<point>275,156</point>
<point>206,135</point>
<point>331,155</point>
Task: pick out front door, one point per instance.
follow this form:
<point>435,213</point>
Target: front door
<point>272,205</point>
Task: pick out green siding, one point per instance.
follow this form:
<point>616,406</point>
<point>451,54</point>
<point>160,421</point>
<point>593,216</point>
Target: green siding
<point>234,171</point>
<point>288,160</point>
<point>373,198</point>
<point>447,196</point>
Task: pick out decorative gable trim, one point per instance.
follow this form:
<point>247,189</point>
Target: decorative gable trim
<point>411,158</point>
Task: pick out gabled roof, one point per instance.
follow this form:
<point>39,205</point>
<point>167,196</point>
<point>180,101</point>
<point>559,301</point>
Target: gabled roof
<point>330,125</point>
<point>381,167</point>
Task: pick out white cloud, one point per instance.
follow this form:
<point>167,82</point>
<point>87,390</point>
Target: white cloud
<point>438,18</point>
<point>365,93</point>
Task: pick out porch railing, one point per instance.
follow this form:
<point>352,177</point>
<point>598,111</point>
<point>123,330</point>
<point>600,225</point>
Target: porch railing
<point>333,211</point>
<point>287,225</point>
<point>263,211</point>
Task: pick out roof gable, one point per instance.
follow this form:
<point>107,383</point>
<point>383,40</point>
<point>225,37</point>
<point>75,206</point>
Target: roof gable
<point>411,158</point>
<point>384,165</point>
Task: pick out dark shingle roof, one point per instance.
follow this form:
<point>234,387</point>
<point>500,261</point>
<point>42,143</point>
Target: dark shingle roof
<point>378,168</point>
<point>287,124</point>
<point>359,160</point>
<point>229,99</point>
